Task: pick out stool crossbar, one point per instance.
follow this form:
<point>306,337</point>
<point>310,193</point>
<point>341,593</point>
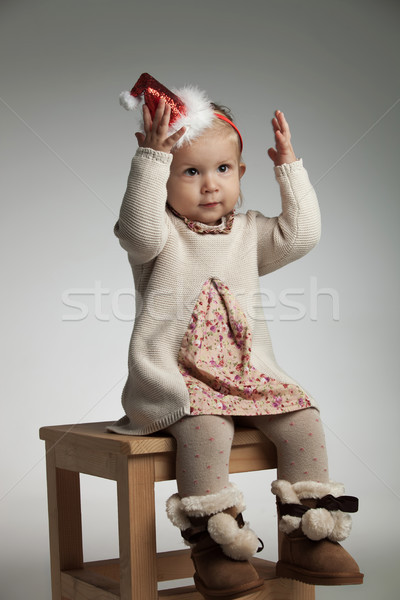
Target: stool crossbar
<point>136,463</point>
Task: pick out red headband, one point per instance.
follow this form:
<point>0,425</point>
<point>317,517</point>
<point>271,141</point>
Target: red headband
<point>223,118</point>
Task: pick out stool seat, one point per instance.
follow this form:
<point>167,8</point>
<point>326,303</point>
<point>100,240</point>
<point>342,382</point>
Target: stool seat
<point>136,463</point>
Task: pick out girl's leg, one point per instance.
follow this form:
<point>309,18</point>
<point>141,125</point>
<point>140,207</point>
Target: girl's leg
<point>203,448</point>
<point>300,443</point>
<point>207,508</point>
<point>313,512</point>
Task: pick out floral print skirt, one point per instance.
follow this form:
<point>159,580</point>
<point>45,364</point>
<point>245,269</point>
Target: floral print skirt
<point>215,362</point>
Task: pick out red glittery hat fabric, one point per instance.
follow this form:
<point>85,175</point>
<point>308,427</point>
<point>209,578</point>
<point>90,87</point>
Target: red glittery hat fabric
<point>153,91</point>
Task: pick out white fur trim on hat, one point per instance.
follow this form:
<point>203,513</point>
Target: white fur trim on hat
<point>239,543</point>
<point>199,114</point>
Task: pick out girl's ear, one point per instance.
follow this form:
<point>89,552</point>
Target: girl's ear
<point>242,170</point>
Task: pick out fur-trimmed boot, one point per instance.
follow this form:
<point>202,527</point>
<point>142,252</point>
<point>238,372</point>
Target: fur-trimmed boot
<point>313,518</point>
<point>221,542</point>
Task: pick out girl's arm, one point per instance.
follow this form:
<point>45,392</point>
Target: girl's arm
<point>142,227</point>
<point>297,230</point>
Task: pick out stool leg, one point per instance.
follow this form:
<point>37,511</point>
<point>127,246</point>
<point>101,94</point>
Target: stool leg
<point>65,523</point>
<point>137,530</point>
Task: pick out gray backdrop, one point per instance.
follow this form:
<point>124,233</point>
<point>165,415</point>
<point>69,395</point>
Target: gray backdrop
<point>66,145</point>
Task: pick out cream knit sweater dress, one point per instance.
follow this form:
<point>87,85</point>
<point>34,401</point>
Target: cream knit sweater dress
<point>200,342</point>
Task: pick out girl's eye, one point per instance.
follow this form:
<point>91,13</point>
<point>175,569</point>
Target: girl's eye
<point>223,168</point>
<point>191,171</point>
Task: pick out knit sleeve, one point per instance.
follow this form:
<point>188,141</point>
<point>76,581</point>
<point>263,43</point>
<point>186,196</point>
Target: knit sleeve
<point>142,227</point>
<point>283,239</point>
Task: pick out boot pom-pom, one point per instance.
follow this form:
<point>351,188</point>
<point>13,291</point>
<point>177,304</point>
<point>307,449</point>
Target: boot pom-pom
<point>244,546</point>
<point>317,523</point>
<point>287,524</point>
<point>222,528</point>
<point>237,543</point>
<point>342,526</point>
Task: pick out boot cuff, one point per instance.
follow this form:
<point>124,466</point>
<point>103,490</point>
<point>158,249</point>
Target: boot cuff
<point>179,510</point>
<point>204,506</point>
<point>289,493</point>
<point>176,512</point>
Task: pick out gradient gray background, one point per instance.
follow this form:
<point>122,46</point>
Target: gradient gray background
<point>332,67</point>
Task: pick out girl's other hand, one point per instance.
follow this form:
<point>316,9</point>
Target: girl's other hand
<point>283,152</point>
<point>156,130</point>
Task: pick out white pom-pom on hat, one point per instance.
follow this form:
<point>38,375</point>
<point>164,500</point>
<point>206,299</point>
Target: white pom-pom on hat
<point>128,101</point>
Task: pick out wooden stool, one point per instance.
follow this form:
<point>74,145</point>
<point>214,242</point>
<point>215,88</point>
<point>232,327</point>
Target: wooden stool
<point>135,463</point>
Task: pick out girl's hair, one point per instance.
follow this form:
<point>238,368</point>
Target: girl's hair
<point>224,110</point>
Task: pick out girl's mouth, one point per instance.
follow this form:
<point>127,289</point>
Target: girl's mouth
<point>210,204</point>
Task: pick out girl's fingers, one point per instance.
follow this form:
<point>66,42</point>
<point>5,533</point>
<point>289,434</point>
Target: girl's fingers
<point>165,116</point>
<point>278,121</point>
<point>177,135</point>
<point>284,125</point>
<point>281,128</point>
<point>275,124</point>
<point>146,119</point>
<point>140,138</point>
<point>282,140</point>
<point>159,113</point>
<point>284,151</point>
<point>272,153</point>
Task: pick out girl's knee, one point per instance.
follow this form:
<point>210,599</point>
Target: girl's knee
<point>203,427</point>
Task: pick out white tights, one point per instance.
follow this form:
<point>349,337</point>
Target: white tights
<point>204,445</point>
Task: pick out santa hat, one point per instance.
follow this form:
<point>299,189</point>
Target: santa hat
<point>190,107</point>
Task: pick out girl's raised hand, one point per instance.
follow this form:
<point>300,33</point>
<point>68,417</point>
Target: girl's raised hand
<point>283,152</point>
<point>156,130</point>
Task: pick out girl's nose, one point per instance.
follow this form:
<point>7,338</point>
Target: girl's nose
<point>209,184</point>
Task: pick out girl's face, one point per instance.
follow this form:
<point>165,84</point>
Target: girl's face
<point>204,181</point>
